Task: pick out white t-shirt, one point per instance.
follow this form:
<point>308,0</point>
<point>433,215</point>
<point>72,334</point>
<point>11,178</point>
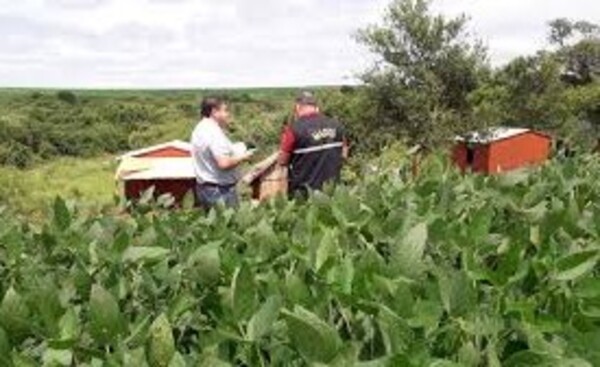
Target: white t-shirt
<point>209,141</point>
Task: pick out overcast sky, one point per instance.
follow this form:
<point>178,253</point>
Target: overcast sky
<point>229,43</point>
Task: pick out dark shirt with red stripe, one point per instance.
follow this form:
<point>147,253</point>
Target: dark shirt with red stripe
<point>311,170</point>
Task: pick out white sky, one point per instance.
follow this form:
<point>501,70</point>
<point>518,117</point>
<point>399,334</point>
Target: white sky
<point>230,43</point>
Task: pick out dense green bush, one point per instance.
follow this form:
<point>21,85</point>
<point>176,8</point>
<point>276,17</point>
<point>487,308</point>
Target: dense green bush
<point>67,96</point>
<point>39,126</point>
<point>444,270</point>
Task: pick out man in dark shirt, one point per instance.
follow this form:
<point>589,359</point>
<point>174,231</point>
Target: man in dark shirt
<point>313,147</point>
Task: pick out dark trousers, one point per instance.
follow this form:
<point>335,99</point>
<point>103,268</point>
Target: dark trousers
<point>208,196</point>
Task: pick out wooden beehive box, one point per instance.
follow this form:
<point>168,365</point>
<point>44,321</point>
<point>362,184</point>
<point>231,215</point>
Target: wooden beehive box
<point>267,179</point>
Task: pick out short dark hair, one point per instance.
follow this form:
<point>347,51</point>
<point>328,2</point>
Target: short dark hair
<point>209,104</point>
<point>306,98</point>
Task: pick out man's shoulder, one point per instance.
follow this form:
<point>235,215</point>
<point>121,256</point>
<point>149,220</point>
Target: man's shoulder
<point>204,127</point>
<point>320,119</point>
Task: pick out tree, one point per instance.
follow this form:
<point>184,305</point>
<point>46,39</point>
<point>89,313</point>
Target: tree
<point>579,49</point>
<point>67,96</point>
<point>427,68</point>
<point>556,91</point>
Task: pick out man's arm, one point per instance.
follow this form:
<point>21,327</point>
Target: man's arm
<point>286,148</point>
<point>221,150</point>
<point>227,162</point>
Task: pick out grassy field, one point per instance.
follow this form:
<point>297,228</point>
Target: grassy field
<point>90,181</point>
<point>68,147</point>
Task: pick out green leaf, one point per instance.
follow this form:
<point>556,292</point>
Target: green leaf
<point>136,357</point>
<point>105,317</point>
<point>327,248</point>
<point>588,288</point>
<point>161,345</point>
<point>243,293</point>
<point>480,226</point>
<point>456,292</point>
<point>408,252</point>
<point>55,358</point>
<point>177,361</point>
<point>527,358</point>
<point>22,360</point>
<point>468,355</point>
<point>5,350</point>
<point>576,265</point>
<point>590,308</point>
<point>397,334</point>
<point>47,305</point>
<point>137,254</point>
<point>296,290</point>
<point>68,331</point>
<point>427,314</point>
<point>205,264</point>
<point>260,324</point>
<point>15,316</point>
<point>138,332</point>
<point>62,216</point>
<point>314,339</point>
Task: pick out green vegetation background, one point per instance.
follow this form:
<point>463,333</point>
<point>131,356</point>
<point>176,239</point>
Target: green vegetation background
<point>433,79</point>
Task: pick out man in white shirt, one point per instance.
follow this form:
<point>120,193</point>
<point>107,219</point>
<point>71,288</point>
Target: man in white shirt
<point>215,163</point>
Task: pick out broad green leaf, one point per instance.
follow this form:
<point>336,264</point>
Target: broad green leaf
<point>210,358</point>
<point>527,358</point>
<point>327,248</point>
<point>539,343</point>
<point>137,254</point>
<point>313,338</point>
<point>243,293</point>
<point>22,360</point>
<point>590,308</point>
<point>161,345</point>
<point>397,333</point>
<point>408,252</point>
<point>456,292</point>
<point>15,316</point>
<point>68,331</point>
<point>177,361</point>
<point>138,332</point>
<point>105,317</point>
<point>260,324</point>
<point>121,242</point>
<point>468,355</point>
<point>189,201</point>
<point>588,288</point>
<point>574,362</point>
<point>205,264</point>
<point>444,363</point>
<point>55,358</point>
<point>83,282</point>
<point>47,304</point>
<point>576,265</point>
<point>480,226</point>
<point>62,216</point>
<point>136,357</point>
<point>342,275</point>
<point>5,350</point>
<point>296,290</point>
<point>427,314</point>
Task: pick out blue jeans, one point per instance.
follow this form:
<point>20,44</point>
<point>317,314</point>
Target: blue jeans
<point>209,196</point>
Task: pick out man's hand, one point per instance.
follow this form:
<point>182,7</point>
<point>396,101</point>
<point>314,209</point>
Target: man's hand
<point>247,155</point>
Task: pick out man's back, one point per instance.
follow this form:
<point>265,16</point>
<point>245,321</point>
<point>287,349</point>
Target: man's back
<point>316,156</point>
